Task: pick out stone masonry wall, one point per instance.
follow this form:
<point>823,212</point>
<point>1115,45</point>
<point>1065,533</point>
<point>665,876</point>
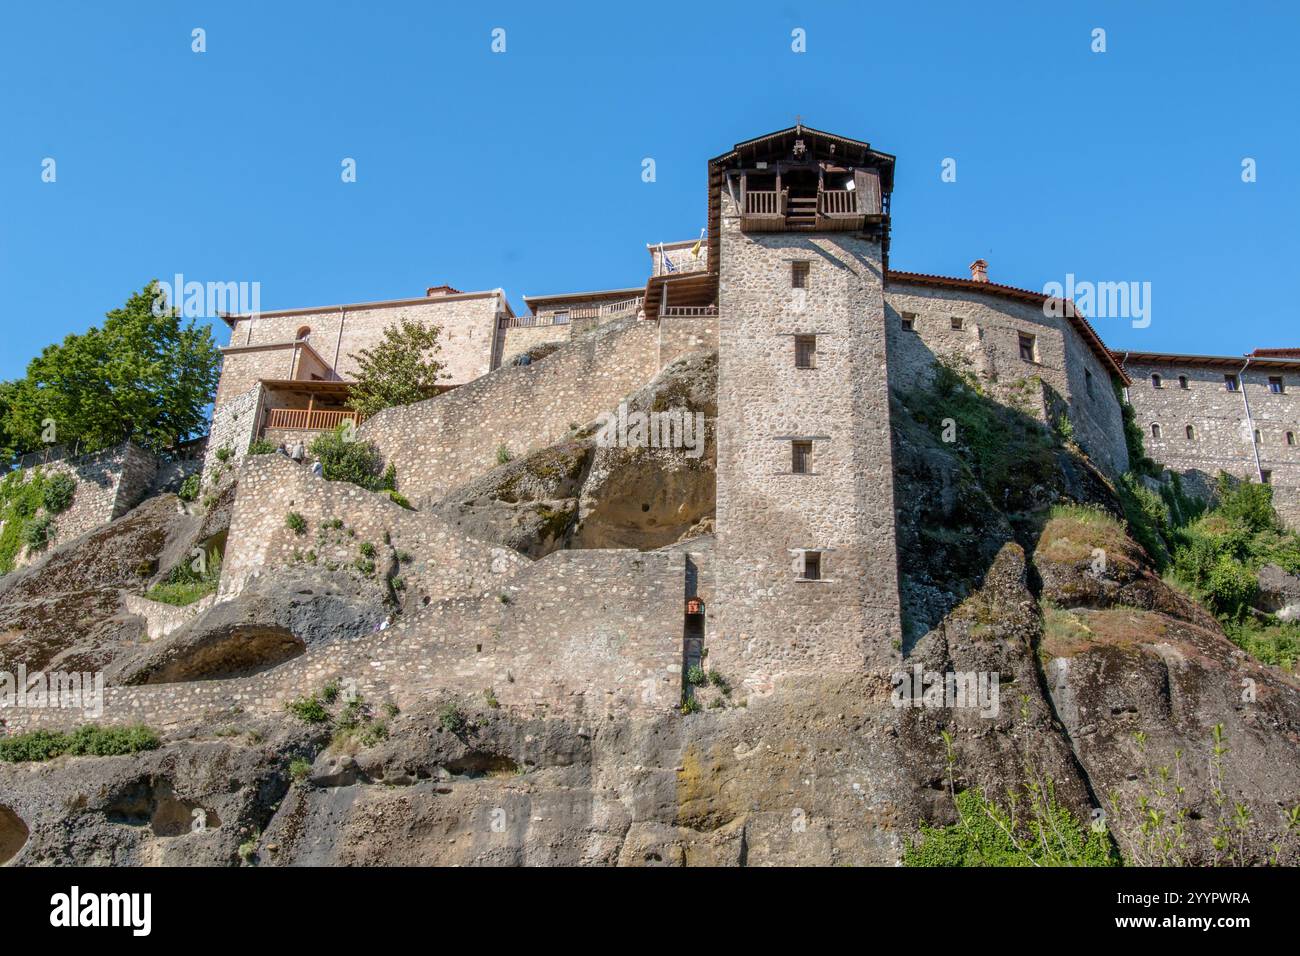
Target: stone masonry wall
<point>680,336</point>
<point>468,322</point>
<point>439,444</point>
<point>234,426</point>
<point>1222,439</point>
<point>515,341</point>
<point>585,632</point>
<point>109,484</point>
<point>988,345</point>
<point>439,561</point>
<point>766,621</point>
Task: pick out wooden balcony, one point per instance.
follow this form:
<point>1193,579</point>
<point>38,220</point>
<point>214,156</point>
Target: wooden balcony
<point>309,419</point>
<point>600,313</point>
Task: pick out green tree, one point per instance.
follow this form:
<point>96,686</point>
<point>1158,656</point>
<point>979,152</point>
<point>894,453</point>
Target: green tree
<point>144,376</point>
<point>401,369</point>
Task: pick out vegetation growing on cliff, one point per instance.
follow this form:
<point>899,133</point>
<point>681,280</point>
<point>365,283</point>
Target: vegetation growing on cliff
<point>186,583</point>
<point>88,741</point>
<point>27,502</point>
<point>1028,828</point>
<point>344,458</point>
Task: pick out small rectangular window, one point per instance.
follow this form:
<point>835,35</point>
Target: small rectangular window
<point>1027,344</point>
<point>799,274</point>
<point>1266,477</point>
<point>561,318</point>
<point>909,322</point>
<point>812,565</point>
<point>1230,382</point>
<point>957,323</point>
<point>1087,382</point>
<point>1259,439</point>
<point>1156,381</point>
<point>801,457</point>
<point>1276,385</point>
<point>1290,438</point>
<point>1182,381</point>
<point>805,351</point>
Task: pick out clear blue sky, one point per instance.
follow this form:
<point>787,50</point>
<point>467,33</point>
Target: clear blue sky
<point>523,169</point>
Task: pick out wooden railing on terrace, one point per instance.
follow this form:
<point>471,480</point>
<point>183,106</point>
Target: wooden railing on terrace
<point>610,310</point>
<point>305,419</point>
<point>687,311</point>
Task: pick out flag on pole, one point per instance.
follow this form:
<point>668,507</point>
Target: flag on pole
<point>666,262</point>
<point>695,249</point>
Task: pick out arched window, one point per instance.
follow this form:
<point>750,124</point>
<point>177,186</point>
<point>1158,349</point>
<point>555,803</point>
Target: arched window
<point>1155,381</point>
<point>1155,429</point>
<point>1191,433</point>
<point>304,332</point>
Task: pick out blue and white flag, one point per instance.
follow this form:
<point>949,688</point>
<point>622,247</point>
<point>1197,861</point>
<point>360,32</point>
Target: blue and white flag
<point>667,264</point>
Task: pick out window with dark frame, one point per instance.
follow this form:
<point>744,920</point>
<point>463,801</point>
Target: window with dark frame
<point>799,274</point>
<point>1182,381</point>
<point>1230,382</point>
<point>1266,477</point>
<point>1276,385</point>
<point>958,323</point>
<point>1259,439</point>
<point>1156,382</point>
<point>1027,344</point>
<point>801,457</point>
<point>805,351</point>
<point>1191,433</point>
<point>1155,429</point>
<point>812,565</point>
<point>908,322</point>
<point>1290,438</point>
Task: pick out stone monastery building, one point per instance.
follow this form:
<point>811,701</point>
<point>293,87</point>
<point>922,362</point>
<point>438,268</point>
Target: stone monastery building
<point>794,288</point>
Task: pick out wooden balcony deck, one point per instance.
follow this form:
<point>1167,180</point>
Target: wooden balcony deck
<point>309,419</point>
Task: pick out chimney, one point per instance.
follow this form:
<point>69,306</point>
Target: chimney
<point>437,290</point>
<point>979,271</point>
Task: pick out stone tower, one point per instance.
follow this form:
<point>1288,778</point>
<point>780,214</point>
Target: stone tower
<point>806,572</point>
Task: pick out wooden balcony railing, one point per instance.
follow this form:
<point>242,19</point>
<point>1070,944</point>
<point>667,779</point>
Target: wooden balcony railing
<point>687,311</point>
<point>838,202</point>
<point>603,313</point>
<point>304,419</point>
<point>763,202</point>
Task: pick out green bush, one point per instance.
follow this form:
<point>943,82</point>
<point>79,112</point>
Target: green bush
<point>353,461</point>
<point>295,523</point>
<point>90,740</point>
<point>189,489</point>
<point>184,585</point>
<point>263,447</point>
<point>503,455</point>
<point>299,769</point>
<point>452,719</point>
<point>695,676</point>
<point>1042,834</point>
<point>309,710</point>
<point>399,499</point>
<point>224,454</point>
<point>59,489</point>
<point>38,532</point>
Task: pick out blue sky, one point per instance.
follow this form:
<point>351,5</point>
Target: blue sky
<point>523,169</point>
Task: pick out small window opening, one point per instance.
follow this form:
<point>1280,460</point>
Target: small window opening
<point>1276,385</point>
<point>1230,382</point>
<point>958,323</point>
<point>909,322</point>
<point>805,351</point>
<point>801,457</point>
<point>1157,381</point>
<point>1155,430</point>
<point>799,274</point>
<point>1182,381</point>
<point>1027,347</point>
<point>1191,433</point>
<point>812,565</point>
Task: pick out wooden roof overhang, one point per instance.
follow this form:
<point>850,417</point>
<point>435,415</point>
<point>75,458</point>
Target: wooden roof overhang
<point>778,147</point>
<point>604,295</point>
<point>1234,363</point>
<point>680,289</point>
